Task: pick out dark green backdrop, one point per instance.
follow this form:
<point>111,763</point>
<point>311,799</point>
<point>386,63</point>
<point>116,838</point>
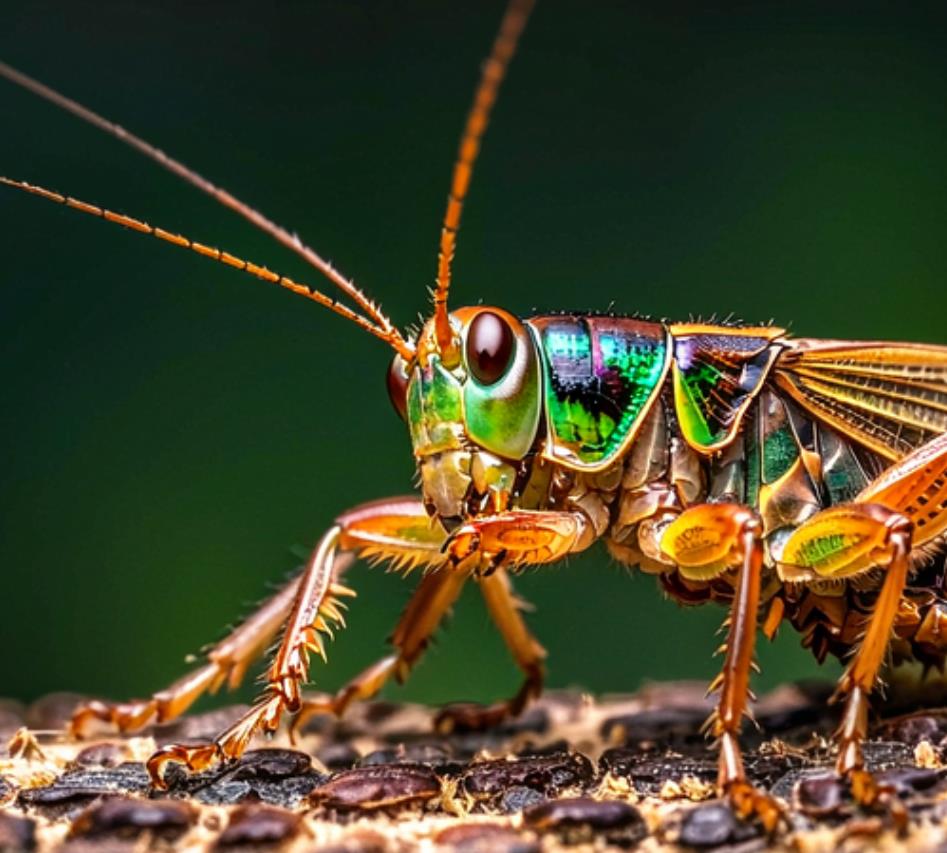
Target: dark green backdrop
<point>171,431</point>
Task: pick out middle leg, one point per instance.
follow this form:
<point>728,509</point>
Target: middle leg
<point>506,610</point>
<point>430,602</point>
<point>705,541</point>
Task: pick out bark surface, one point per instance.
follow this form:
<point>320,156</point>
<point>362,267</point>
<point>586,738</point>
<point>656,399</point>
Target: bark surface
<point>572,772</point>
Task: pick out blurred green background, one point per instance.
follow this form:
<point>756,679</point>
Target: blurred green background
<point>172,432</point>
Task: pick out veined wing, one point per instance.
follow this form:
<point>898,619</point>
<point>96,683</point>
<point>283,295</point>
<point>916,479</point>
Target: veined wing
<point>889,397</point>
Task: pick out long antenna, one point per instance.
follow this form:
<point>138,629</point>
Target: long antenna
<point>280,234</point>
<point>494,69</point>
<point>389,335</point>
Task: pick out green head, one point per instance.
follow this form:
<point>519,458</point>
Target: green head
<point>473,415</point>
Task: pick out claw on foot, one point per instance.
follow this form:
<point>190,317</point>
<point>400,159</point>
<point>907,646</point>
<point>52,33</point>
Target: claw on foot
<point>749,802</point>
<point>872,795</point>
<point>195,758</point>
<point>264,716</point>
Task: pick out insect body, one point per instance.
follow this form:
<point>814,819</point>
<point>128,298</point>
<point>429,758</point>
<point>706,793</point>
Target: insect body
<point>791,480</point>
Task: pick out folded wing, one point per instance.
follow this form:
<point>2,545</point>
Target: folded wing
<point>891,398</point>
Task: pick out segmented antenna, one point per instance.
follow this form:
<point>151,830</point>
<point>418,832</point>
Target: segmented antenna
<point>491,76</point>
<point>291,241</point>
<point>389,335</point>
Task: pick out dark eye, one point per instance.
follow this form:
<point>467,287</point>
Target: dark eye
<point>397,381</point>
<point>489,347</point>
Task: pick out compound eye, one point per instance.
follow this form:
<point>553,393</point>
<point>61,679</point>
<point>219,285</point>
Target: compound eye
<point>397,381</point>
<point>490,345</point>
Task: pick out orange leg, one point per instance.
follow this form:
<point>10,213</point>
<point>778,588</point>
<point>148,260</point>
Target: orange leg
<point>227,662</point>
<point>842,541</point>
<point>706,541</point>
<point>904,508</point>
<point>316,609</point>
<point>434,597</point>
<point>506,610</point>
<point>860,675</point>
<point>517,538</point>
<point>398,530</point>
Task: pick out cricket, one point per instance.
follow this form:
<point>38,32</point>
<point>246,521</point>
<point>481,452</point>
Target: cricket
<point>799,483</point>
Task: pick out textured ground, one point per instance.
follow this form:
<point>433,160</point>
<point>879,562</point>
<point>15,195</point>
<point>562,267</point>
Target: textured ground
<point>621,772</point>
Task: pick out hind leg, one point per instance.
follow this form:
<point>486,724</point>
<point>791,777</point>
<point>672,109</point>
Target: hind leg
<point>903,509</point>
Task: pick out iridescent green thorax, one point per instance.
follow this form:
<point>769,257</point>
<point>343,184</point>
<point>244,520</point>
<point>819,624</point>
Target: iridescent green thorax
<point>602,375</point>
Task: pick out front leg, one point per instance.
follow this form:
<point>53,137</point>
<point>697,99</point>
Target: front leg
<point>317,609</point>
<point>518,538</point>
<point>397,530</point>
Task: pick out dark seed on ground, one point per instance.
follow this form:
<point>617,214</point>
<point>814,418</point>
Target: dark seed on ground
<point>253,824</point>
<point>908,780</point>
<point>819,796</point>
<point>104,754</point>
<point>338,756</point>
<point>129,817</point>
<point>649,773</point>
<point>549,774</point>
<point>708,826</point>
<point>485,838</point>
<point>664,725</point>
<point>912,730</point>
<point>270,764</point>
<point>600,814</point>
<point>128,778</point>
<point>380,786</point>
